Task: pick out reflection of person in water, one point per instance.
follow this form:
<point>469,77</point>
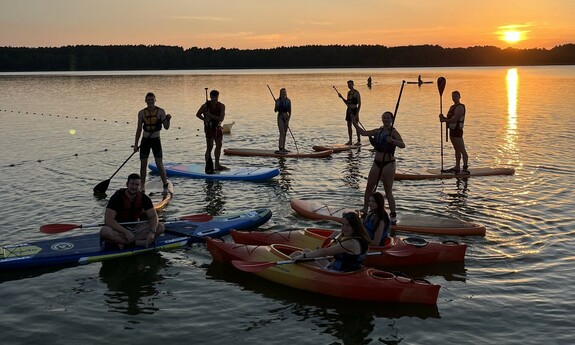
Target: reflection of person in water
<point>285,175</point>
<point>132,282</point>
<point>214,197</point>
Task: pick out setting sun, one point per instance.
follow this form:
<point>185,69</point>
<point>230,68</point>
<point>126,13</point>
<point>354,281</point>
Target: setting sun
<point>512,36</point>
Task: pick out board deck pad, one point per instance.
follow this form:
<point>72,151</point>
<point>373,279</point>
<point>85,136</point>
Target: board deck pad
<point>233,173</point>
<point>336,147</point>
<point>271,153</point>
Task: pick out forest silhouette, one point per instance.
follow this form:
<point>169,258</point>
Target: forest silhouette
<point>160,57</point>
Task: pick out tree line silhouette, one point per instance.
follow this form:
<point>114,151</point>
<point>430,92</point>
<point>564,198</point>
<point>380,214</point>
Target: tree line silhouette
<point>159,57</point>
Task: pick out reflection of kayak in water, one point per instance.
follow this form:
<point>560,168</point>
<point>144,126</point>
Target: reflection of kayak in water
<point>416,82</point>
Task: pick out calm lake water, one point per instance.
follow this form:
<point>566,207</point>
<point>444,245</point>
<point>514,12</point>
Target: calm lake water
<point>65,132</point>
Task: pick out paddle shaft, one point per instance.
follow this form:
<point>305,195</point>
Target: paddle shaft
<point>284,121</point>
<point>57,228</point>
<point>441,86</point>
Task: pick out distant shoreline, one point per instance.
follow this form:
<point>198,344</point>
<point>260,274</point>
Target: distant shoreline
<point>141,57</point>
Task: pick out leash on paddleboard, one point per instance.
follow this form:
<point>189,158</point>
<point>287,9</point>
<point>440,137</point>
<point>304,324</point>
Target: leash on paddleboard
<point>284,121</point>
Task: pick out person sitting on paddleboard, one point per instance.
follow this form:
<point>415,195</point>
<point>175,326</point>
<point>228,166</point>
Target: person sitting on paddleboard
<point>348,251</point>
<point>213,113</point>
<point>150,121</point>
<point>128,205</point>
<point>455,120</point>
<point>283,108</point>
<point>384,139</point>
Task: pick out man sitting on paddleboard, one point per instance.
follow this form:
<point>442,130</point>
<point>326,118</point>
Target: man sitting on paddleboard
<point>126,206</point>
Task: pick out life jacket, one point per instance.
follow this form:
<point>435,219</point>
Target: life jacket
<point>371,223</point>
<point>131,209</point>
<point>460,122</point>
<point>214,109</point>
<point>379,142</point>
<point>283,105</point>
<point>347,262</point>
<point>151,121</point>
<point>352,97</point>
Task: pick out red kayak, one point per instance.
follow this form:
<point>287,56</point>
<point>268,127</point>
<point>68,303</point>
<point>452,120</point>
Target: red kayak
<point>368,284</point>
<point>397,252</point>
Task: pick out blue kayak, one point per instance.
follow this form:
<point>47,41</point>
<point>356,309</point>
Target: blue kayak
<point>198,171</point>
<point>85,249</point>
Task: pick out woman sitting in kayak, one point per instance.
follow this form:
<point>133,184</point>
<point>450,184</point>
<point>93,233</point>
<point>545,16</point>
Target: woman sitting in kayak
<point>376,221</point>
<point>348,251</point>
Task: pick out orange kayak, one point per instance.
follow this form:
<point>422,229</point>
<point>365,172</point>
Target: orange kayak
<point>368,284</point>
<point>397,252</point>
<point>415,223</point>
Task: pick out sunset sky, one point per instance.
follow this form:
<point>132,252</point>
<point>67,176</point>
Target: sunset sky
<point>248,24</point>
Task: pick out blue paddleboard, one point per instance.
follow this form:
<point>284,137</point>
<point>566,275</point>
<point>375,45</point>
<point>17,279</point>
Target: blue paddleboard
<point>198,171</point>
<point>85,249</point>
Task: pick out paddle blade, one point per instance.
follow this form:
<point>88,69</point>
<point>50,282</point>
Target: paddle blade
<point>247,266</point>
<point>441,84</point>
<point>101,187</point>
<point>198,217</point>
<point>57,228</point>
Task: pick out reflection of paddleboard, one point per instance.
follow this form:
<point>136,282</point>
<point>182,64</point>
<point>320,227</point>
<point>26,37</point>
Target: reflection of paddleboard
<point>154,190</point>
<point>408,222</point>
<point>198,171</point>
<point>271,153</point>
<point>335,147</point>
<point>422,174</point>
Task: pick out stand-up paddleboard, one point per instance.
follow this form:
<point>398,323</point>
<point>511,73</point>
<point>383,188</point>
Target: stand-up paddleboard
<point>423,174</point>
<point>85,249</point>
<point>419,83</point>
<point>336,147</point>
<point>272,153</point>
<point>198,171</point>
<point>154,190</point>
<point>405,222</point>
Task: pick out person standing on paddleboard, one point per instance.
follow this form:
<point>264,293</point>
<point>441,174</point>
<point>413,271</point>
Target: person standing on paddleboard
<point>127,205</point>
<point>212,113</point>
<point>283,108</point>
<point>353,102</point>
<point>455,120</point>
<point>384,139</point>
<point>150,121</point>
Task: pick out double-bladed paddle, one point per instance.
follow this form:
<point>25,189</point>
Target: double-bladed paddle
<point>58,228</point>
<point>440,87</point>
<point>248,266</point>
